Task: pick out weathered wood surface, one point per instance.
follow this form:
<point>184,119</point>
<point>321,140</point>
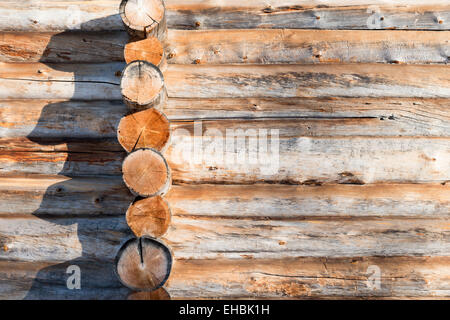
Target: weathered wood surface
<point>59,119</point>
<point>109,196</point>
<point>60,81</point>
<point>313,278</point>
<point>231,46</point>
<point>291,159</point>
<point>199,14</point>
<point>343,80</point>
<point>307,46</point>
<point>76,46</point>
<point>101,81</point>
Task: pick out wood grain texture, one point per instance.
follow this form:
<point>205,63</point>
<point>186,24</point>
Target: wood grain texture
<point>343,80</point>
<point>245,46</point>
<point>58,195</point>
<point>59,119</point>
<point>198,14</point>
<point>307,46</point>
<point>101,81</point>
<point>70,47</point>
<point>149,217</point>
<point>310,278</point>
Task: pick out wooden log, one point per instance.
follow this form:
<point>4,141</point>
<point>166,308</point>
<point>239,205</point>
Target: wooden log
<point>143,264</point>
<point>144,18</point>
<point>143,86</point>
<point>61,120</point>
<point>304,278</point>
<point>307,46</point>
<point>60,81</point>
<point>310,278</point>
<point>150,50</point>
<point>293,159</point>
<point>73,47</point>
<point>101,15</point>
<point>144,129</point>
<point>149,217</point>
<point>158,294</point>
<point>343,80</point>
<point>230,46</point>
<point>100,195</point>
<point>100,81</point>
<point>207,237</point>
<point>146,173</point>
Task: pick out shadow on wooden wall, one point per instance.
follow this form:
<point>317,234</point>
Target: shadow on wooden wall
<point>98,280</point>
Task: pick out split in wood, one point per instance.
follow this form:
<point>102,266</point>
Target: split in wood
<point>150,50</point>
<point>149,217</point>
<point>143,264</point>
<point>144,18</point>
<point>144,129</point>
<point>146,173</point>
<point>159,294</point>
<point>142,86</point>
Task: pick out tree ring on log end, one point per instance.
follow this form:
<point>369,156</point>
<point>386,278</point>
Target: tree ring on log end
<point>146,173</point>
<point>144,129</point>
<point>149,217</point>
<point>158,294</point>
<point>143,17</point>
<point>143,264</point>
<point>150,50</point>
<point>142,85</point>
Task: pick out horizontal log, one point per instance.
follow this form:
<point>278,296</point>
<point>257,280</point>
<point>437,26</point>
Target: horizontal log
<point>92,47</point>
<point>101,81</point>
<point>310,278</point>
<point>59,119</point>
<point>231,46</point>
<point>343,80</point>
<point>193,237</point>
<point>307,46</point>
<point>289,159</point>
<point>58,195</point>
<point>199,14</point>
<point>61,81</point>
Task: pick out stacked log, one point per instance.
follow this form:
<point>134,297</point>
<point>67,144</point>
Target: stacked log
<point>143,264</point>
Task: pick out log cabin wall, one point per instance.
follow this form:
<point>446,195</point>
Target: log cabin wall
<point>358,91</point>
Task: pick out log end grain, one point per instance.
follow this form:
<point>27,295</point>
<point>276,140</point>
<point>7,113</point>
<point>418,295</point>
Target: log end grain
<point>143,17</point>
<point>144,129</point>
<point>146,173</point>
<point>142,86</point>
<point>149,217</point>
<point>143,264</point>
<point>150,50</point>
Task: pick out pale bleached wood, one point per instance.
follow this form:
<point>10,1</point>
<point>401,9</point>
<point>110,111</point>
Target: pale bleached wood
<point>211,238</point>
<point>199,14</point>
<point>309,278</point>
<point>62,47</point>
<point>60,119</point>
<point>61,81</point>
<point>307,46</point>
<point>101,81</point>
<point>57,195</point>
<point>299,159</point>
<point>343,80</point>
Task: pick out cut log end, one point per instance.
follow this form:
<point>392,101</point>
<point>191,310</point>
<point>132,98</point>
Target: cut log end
<point>146,173</point>
<point>145,129</point>
<point>143,264</point>
<point>144,17</point>
<point>149,217</point>
<point>150,50</point>
<point>159,294</point>
<point>142,86</point>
